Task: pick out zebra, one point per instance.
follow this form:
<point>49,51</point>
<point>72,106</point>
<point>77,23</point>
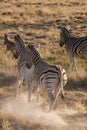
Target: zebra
<point>10,46</point>
<point>75,46</point>
<point>24,72</point>
<point>48,76</point>
<point>24,60</point>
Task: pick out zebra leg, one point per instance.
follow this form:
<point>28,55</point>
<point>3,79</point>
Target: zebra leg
<point>18,84</point>
<point>72,63</point>
<point>34,89</point>
<point>51,97</point>
<point>57,92</point>
<point>62,93</point>
<point>23,82</point>
<point>38,93</point>
<point>29,92</point>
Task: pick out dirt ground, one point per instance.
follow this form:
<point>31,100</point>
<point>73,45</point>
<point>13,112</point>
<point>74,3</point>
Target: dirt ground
<point>39,22</point>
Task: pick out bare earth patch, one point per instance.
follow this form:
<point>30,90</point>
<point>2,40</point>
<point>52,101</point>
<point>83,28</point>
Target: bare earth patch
<point>38,22</point>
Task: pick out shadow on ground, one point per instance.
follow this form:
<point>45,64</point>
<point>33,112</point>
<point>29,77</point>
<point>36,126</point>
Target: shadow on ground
<point>80,85</point>
<point>7,80</point>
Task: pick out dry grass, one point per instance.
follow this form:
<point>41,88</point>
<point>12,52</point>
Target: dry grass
<point>37,21</point>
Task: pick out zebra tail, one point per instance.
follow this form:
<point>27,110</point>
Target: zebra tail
<point>62,85</point>
<point>59,88</point>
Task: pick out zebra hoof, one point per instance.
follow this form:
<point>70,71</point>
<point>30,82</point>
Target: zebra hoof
<point>16,94</point>
<point>52,107</point>
<point>62,96</point>
<point>29,100</point>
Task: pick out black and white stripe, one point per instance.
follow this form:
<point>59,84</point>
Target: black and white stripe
<point>74,46</point>
<point>48,76</point>
<point>23,59</point>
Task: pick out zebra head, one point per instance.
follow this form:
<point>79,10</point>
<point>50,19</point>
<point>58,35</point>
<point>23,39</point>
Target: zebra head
<point>64,35</point>
<point>10,46</point>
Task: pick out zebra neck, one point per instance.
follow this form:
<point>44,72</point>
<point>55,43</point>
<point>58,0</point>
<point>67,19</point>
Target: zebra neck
<point>21,50</point>
<point>36,60</point>
<point>66,37</point>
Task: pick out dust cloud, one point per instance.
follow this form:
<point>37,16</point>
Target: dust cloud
<point>33,111</point>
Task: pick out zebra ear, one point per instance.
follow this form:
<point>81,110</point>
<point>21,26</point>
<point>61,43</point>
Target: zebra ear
<point>28,49</point>
<point>63,28</point>
<point>5,38</point>
<point>17,37</point>
<point>28,46</point>
<point>59,27</point>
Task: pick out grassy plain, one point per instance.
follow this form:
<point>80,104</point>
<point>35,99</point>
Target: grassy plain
<point>37,22</point>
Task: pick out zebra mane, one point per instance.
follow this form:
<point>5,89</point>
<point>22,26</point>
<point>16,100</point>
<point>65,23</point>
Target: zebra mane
<point>65,31</point>
<point>32,48</point>
<point>19,45</point>
<point>19,39</point>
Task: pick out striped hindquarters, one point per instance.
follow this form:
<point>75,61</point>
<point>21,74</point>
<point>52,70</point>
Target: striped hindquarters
<point>79,46</point>
<point>50,76</point>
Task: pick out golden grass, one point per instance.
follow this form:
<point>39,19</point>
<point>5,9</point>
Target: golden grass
<point>37,21</point>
